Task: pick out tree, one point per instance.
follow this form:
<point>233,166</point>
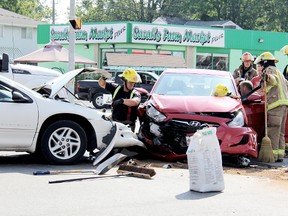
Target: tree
<point>268,15</point>
<point>112,10</point>
<point>34,9</point>
<point>9,5</point>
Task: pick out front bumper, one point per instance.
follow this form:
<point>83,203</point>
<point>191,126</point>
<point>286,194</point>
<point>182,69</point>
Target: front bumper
<point>168,140</point>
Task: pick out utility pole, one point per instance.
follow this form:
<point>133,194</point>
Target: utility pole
<point>71,65</point>
<point>53,12</point>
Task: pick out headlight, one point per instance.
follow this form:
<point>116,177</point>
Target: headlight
<point>238,121</point>
<point>153,113</point>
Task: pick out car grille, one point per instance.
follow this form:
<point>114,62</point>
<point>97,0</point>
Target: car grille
<point>188,126</point>
<point>174,132</point>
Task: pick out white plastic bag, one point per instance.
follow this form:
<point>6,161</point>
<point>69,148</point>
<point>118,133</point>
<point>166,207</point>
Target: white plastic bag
<point>205,161</point>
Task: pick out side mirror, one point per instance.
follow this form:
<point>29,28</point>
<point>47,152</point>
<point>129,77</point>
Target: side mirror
<point>5,63</point>
<point>20,98</point>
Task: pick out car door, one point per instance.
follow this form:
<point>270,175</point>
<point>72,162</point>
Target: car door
<point>254,108</point>
<point>18,118</point>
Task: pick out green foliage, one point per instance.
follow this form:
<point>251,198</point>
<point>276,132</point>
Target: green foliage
<point>30,8</point>
<point>9,5</point>
<point>268,15</point>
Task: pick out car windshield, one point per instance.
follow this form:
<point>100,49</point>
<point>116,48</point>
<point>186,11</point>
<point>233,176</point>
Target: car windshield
<point>191,84</point>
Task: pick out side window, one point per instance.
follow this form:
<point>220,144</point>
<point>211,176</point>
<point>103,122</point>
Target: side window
<point>117,78</point>
<point>150,80</point>
<point>5,93</point>
<point>143,78</point>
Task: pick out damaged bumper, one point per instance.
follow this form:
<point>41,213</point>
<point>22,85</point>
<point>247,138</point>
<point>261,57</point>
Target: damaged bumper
<point>168,140</point>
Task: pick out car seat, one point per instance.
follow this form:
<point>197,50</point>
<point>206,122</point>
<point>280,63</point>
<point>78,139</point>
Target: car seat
<point>178,87</point>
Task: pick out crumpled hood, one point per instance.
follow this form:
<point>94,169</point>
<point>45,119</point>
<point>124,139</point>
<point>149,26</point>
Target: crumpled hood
<point>188,104</point>
<point>55,85</point>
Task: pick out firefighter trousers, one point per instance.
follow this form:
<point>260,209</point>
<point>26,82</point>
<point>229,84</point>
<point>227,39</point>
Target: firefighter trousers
<point>276,130</point>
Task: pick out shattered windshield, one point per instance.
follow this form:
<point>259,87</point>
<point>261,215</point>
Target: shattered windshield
<point>191,84</point>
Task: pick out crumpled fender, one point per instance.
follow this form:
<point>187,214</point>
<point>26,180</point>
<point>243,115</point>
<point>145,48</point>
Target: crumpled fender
<point>126,138</point>
<point>120,136</point>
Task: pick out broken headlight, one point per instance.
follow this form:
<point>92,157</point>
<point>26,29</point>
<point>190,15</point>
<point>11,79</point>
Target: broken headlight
<point>238,120</point>
<point>155,129</point>
<point>154,114</point>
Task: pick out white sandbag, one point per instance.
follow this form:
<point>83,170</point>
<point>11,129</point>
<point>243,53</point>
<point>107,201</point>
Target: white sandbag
<point>205,161</point>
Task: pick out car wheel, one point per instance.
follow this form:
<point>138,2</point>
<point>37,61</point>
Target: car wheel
<point>97,101</point>
<point>63,142</point>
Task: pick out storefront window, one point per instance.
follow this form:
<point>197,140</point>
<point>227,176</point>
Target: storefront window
<point>204,60</point>
<point>220,62</point>
<point>212,61</point>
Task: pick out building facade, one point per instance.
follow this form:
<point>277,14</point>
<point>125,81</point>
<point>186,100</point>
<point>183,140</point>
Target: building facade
<point>18,34</point>
<point>154,47</point>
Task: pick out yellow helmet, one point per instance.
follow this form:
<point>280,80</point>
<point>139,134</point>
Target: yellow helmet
<point>247,57</point>
<point>285,49</point>
<point>265,57</point>
<point>220,90</point>
<point>131,75</point>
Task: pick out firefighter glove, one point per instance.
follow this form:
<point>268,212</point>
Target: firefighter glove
<point>118,102</point>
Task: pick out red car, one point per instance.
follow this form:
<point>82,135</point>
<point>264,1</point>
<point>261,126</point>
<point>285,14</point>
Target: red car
<point>181,102</point>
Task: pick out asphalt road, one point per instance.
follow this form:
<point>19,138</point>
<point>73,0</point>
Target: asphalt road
<point>167,193</point>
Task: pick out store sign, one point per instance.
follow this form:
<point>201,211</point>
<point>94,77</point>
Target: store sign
<point>144,33</point>
<point>101,33</point>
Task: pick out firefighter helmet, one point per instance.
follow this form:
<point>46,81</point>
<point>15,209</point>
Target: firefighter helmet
<point>266,56</point>
<point>285,49</point>
<point>220,90</point>
<point>130,75</point>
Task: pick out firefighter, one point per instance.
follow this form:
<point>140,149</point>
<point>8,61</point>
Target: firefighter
<point>285,73</point>
<point>246,70</point>
<point>277,101</point>
<point>285,51</point>
<point>125,99</point>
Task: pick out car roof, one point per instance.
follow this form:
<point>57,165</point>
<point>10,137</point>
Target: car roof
<point>153,74</point>
<point>198,71</point>
<point>146,72</point>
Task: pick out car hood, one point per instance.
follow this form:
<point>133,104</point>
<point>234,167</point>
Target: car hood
<point>188,104</point>
<point>54,86</point>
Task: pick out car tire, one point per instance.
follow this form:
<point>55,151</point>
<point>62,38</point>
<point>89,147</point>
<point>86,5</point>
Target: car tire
<point>57,146</point>
<point>97,101</point>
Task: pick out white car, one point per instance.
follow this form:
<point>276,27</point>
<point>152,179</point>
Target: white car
<point>45,121</point>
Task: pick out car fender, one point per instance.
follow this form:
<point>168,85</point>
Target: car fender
<point>126,138</point>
